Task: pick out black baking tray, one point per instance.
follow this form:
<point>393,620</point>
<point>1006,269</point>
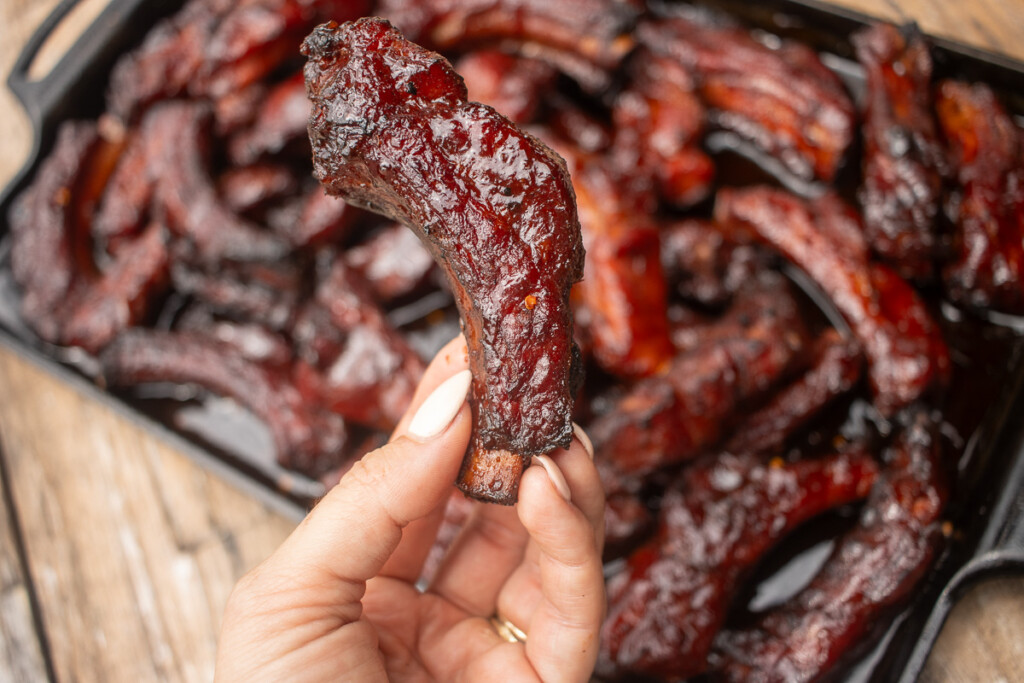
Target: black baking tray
<point>988,510</point>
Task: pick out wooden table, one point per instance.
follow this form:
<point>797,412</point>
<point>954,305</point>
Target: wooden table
<point>117,553</point>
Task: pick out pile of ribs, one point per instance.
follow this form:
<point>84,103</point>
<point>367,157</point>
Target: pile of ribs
<point>748,357</point>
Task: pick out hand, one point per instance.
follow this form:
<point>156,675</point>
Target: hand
<point>338,601</point>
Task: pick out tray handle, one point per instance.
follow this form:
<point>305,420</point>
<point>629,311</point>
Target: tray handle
<point>38,97</point>
<point>1002,546</point>
<point>1000,552</point>
<point>49,99</point>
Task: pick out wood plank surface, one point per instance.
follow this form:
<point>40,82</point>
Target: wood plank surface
<point>995,25</point>
<point>132,548</point>
<point>21,656</point>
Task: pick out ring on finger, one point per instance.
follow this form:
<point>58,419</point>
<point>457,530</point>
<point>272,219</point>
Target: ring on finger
<point>507,631</point>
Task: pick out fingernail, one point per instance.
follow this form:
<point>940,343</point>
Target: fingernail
<point>582,437</point>
<point>554,474</point>
<point>441,407</point>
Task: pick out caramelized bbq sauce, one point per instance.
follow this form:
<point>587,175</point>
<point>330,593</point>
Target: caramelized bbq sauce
<point>985,356</point>
<point>986,352</point>
<point>982,352</point>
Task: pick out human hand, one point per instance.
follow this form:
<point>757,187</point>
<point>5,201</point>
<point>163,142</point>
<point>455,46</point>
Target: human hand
<point>338,601</point>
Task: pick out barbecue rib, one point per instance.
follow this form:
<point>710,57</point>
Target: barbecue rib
<point>392,131</point>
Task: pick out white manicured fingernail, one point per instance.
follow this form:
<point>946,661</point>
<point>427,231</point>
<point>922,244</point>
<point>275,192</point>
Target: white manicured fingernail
<point>554,474</point>
<point>584,440</point>
<point>441,407</point>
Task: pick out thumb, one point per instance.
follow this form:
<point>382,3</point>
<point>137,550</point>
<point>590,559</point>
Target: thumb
<point>349,535</point>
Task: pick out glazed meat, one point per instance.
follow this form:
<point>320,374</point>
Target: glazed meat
<point>249,188</point>
<point>672,416</point>
<point>252,292</point>
<point>903,158</point>
<point>871,570</point>
<point>621,305</point>
<point>352,361</point>
<point>512,85</point>
<point>627,519</point>
<point>659,122</point>
<point>315,219</point>
<point>163,175</point>
<point>835,369</point>
<point>259,35</point>
<point>237,109</point>
<point>127,199</point>
<point>392,130</point>
<point>394,263</point>
<point>168,58</point>
<point>215,47</point>
<point>566,120</point>
<point>45,251</point>
<point>281,119</point>
<point>701,265</point>
<point>67,299</point>
<point>252,341</point>
<point>782,99</point>
<point>306,438</point>
<point>905,350</point>
<point>753,356</point>
<point>552,29</point>
<point>725,513</point>
<point>123,296</point>
<point>985,149</point>
<point>186,198</point>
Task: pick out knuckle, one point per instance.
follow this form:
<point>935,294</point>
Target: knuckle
<point>247,584</point>
<point>244,593</point>
<point>371,472</point>
<point>373,481</point>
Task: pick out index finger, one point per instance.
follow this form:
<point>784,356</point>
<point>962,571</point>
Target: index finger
<point>453,357</point>
<point>406,562</point>
<point>354,532</point>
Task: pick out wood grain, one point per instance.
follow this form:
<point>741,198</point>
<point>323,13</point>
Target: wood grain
<point>995,25</point>
<point>133,549</point>
<point>21,656</point>
<point>984,637</point>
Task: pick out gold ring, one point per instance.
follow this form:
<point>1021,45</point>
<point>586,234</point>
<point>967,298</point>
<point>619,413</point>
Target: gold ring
<point>508,631</point>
